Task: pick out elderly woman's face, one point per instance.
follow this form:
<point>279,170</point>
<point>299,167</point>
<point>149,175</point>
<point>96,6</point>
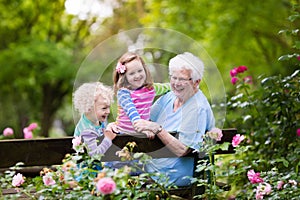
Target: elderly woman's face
<point>182,84</point>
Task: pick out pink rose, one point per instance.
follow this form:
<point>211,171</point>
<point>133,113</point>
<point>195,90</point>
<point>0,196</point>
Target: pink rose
<point>48,180</point>
<point>234,80</point>
<point>76,141</point>
<point>215,133</point>
<point>254,177</point>
<point>292,182</point>
<point>68,166</point>
<point>32,126</point>
<point>8,131</point>
<point>233,72</point>
<point>237,139</point>
<point>259,195</point>
<point>106,185</point>
<point>267,188</point>
<point>298,132</point>
<point>27,133</point>
<point>262,190</point>
<point>18,180</point>
<point>280,184</point>
<point>241,69</point>
<point>248,80</point>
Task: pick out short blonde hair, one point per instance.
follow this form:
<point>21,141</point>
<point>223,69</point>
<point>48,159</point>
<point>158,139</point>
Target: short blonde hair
<point>85,96</point>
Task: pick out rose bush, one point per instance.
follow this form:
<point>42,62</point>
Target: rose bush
<point>8,133</point>
<point>266,113</point>
<point>84,177</point>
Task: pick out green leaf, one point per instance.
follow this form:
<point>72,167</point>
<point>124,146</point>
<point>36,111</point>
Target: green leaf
<point>297,45</point>
<point>224,146</point>
<point>285,57</point>
<point>293,17</point>
<point>283,160</point>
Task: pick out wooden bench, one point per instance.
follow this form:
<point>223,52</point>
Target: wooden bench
<point>45,152</point>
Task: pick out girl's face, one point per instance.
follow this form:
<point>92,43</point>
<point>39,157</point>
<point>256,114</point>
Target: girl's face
<point>135,74</point>
<point>102,109</point>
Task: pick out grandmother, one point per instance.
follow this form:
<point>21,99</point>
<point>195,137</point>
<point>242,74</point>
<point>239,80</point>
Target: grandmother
<point>184,110</point>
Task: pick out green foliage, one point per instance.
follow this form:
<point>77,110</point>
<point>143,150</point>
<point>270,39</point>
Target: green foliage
<point>38,58</point>
<point>208,168</point>
<point>267,113</point>
<point>37,75</point>
<point>232,32</point>
<point>269,116</point>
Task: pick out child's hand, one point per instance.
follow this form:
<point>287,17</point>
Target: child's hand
<point>112,127</point>
<point>109,134</point>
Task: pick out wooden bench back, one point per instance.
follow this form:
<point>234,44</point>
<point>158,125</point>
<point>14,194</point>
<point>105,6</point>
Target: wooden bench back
<point>51,151</point>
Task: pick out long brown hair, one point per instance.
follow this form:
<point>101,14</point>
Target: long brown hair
<point>120,78</point>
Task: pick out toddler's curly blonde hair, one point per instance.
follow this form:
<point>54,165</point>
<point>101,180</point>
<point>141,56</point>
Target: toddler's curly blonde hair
<point>85,96</point>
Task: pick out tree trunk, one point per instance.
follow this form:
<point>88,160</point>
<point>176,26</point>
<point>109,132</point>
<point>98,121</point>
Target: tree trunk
<point>52,100</point>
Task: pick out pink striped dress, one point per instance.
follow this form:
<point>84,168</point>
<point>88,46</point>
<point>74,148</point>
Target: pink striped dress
<point>136,104</point>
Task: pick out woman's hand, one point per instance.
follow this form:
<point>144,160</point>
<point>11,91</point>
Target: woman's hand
<point>149,134</point>
<point>140,127</point>
<point>145,125</point>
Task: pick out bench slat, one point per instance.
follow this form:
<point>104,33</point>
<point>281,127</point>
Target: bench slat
<point>34,152</point>
<point>51,151</point>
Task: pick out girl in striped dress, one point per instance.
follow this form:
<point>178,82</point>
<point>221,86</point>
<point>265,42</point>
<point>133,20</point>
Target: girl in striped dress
<point>135,92</point>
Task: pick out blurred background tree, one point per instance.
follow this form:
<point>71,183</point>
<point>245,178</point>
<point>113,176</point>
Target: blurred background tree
<point>41,47</point>
<point>233,33</point>
<point>44,43</point>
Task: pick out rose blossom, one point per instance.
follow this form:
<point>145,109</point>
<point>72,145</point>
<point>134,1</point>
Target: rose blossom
<point>32,126</point>
<point>248,79</point>
<point>279,184</point>
<point>237,139</point>
<point>68,165</point>
<point>106,185</point>
<point>234,80</point>
<point>215,133</point>
<point>18,180</point>
<point>259,195</point>
<point>8,131</point>
<point>254,177</point>
<point>241,69</point>
<point>27,133</point>
<point>48,180</point>
<point>233,72</point>
<point>298,132</point>
<point>293,182</point>
<point>76,141</point>
<point>263,189</point>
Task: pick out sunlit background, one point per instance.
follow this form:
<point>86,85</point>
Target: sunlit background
<point>46,46</point>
